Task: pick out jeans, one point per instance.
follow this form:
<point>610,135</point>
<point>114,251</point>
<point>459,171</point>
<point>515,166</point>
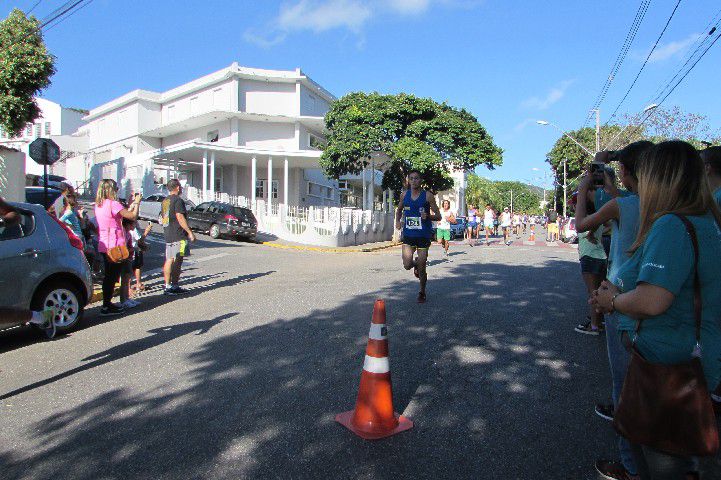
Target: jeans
<point>619,359</point>
<point>655,465</point>
<point>112,275</point>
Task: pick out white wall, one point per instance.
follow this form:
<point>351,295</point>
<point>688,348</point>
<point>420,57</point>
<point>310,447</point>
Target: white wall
<point>202,134</point>
<point>70,122</point>
<point>149,116</point>
<point>267,135</point>
<point>268,98</point>
<point>311,104</point>
<point>12,175</point>
<point>211,98</point>
<point>117,125</point>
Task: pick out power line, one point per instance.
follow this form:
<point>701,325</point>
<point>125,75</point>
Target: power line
<point>644,63</point>
<point>33,7</point>
<point>61,20</point>
<point>630,36</point>
<point>55,15</point>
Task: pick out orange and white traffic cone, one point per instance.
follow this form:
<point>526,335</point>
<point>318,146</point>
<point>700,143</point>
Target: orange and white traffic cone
<point>532,238</point>
<point>373,416</point>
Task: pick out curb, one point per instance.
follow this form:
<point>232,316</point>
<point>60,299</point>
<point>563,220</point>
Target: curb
<point>97,295</point>
<point>328,249</point>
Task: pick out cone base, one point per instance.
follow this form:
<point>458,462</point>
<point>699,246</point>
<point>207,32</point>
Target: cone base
<point>346,419</point>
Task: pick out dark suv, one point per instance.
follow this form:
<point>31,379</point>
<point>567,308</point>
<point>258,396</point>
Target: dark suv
<point>223,219</point>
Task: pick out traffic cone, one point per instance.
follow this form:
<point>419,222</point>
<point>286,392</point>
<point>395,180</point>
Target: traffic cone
<point>532,238</point>
<point>374,417</point>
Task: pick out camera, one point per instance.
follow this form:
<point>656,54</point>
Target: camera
<point>597,173</point>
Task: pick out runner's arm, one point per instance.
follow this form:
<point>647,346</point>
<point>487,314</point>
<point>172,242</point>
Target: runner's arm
<point>436,215</point>
<point>399,211</point>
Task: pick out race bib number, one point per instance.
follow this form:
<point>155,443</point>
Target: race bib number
<point>413,223</point>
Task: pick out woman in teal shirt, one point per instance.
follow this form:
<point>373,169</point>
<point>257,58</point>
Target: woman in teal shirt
<point>656,285</point>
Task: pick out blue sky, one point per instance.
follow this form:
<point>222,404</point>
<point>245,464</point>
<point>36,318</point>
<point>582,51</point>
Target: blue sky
<point>508,62</point>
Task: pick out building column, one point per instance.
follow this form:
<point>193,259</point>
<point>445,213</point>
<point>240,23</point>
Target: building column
<point>205,176</point>
<point>270,185</point>
<point>390,200</point>
<point>285,182</point>
<point>253,180</point>
<point>212,175</point>
<point>373,184</point>
<point>385,199</point>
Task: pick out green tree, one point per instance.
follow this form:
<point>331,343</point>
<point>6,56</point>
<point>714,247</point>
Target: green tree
<point>481,192</point>
<point>415,133</point>
<point>25,70</point>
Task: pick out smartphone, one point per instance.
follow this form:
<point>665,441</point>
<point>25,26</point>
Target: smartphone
<point>597,172</point>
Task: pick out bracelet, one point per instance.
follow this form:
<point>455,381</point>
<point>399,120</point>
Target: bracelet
<point>613,306</point>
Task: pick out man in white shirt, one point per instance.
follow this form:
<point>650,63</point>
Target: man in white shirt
<point>488,217</point>
<point>506,225</point>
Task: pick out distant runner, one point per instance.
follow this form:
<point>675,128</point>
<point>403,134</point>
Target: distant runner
<point>488,217</point>
<point>506,225</point>
<point>472,224</point>
<point>412,216</point>
<point>443,233</point>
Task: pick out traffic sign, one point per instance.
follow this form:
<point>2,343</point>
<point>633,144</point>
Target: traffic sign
<point>44,151</point>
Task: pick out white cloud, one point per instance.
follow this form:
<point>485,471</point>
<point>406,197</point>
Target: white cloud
<point>323,15</point>
<point>672,49</point>
<point>552,97</point>
<point>522,125</point>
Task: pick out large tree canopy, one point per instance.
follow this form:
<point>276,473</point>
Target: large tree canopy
<point>481,192</point>
<point>25,69</point>
<point>416,133</point>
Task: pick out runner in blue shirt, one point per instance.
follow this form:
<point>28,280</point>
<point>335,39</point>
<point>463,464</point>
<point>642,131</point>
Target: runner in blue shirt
<point>414,216</point>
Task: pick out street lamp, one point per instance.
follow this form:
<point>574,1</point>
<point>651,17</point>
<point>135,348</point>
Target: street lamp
<point>647,109</point>
<point>546,122</point>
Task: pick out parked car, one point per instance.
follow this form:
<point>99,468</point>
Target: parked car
<point>48,267</point>
<point>568,231</point>
<point>223,219</point>
<point>459,228</point>
<point>151,205</point>
<point>36,195</point>
<point>54,181</point>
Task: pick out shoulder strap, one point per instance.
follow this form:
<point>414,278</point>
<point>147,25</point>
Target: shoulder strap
<point>696,280</point>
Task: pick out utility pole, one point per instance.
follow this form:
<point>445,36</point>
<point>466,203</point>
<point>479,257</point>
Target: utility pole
<point>511,201</point>
<point>598,130</point>
<point>565,186</point>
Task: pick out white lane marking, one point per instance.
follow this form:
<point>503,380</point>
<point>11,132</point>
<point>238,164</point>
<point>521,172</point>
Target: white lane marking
<point>376,365</point>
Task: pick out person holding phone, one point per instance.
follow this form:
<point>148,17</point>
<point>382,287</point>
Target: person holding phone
<point>178,236</point>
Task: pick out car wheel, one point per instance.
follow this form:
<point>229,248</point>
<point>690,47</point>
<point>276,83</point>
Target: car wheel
<point>66,300</point>
<point>214,231</point>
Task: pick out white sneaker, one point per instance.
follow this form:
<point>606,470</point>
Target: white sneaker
<point>129,303</point>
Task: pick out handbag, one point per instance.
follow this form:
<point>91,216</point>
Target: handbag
<point>668,407</point>
<point>118,253</point>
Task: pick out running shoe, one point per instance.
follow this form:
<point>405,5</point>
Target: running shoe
<point>421,297</point>
<point>48,324</point>
<point>587,329</point>
<point>129,303</point>
<point>111,310</point>
<point>613,471</point>
<point>178,290</point>
<point>604,411</point>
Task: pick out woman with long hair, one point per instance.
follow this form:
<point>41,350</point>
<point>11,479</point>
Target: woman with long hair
<point>109,214</point>
<point>654,289</point>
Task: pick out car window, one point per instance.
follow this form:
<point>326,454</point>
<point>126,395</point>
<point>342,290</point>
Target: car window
<point>202,207</point>
<point>227,209</point>
<point>37,196</point>
<point>152,198</point>
<point>214,208</point>
<point>23,229</point>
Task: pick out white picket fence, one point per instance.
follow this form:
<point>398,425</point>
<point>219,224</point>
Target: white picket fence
<point>326,226</point>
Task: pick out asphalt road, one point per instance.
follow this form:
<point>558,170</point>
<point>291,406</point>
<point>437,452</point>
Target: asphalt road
<point>242,377</point>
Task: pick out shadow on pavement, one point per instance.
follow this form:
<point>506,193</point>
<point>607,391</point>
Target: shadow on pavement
<point>499,386</point>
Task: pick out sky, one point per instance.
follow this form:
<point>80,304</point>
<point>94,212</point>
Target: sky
<point>509,63</point>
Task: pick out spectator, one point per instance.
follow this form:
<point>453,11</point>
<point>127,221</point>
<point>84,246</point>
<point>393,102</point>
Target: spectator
<point>592,258</point>
<point>126,274</point>
<point>712,160</point>
<point>141,246</point>
<point>624,214</point>
<point>656,284</point>
<point>70,216</point>
<point>109,213</point>
<point>177,237</point>
<point>553,226</point>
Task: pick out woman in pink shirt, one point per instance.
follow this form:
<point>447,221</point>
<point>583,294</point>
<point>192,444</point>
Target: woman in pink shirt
<point>109,214</point>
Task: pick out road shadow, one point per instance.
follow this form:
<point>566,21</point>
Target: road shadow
<point>499,386</point>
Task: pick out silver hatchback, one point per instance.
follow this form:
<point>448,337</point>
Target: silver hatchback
<point>42,265</point>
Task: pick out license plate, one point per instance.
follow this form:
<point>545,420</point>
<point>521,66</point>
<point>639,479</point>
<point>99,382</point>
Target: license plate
<point>245,224</point>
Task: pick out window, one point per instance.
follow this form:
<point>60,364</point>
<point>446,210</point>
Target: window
<point>194,106</point>
<point>38,128</point>
<point>202,207</point>
<point>259,190</point>
<point>29,130</point>
<point>171,113</point>
<point>315,142</point>
<point>2,132</point>
<point>213,136</point>
<point>218,97</point>
<point>25,228</point>
<point>329,193</point>
<point>275,188</point>
<point>47,129</point>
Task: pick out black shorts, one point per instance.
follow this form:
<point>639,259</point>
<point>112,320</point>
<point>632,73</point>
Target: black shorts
<point>138,260</point>
<point>595,266</point>
<point>417,242</point>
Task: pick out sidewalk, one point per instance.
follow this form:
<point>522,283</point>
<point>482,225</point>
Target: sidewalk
<point>272,242</point>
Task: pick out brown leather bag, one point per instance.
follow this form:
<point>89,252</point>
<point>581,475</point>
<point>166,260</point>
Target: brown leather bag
<point>118,253</point>
<point>668,407</point>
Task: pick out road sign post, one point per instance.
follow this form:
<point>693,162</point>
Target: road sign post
<point>45,152</point>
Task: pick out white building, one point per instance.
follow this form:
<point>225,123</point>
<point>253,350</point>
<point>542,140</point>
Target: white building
<point>55,122</point>
<point>242,135</point>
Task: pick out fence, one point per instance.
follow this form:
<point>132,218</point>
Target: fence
<point>327,226</point>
